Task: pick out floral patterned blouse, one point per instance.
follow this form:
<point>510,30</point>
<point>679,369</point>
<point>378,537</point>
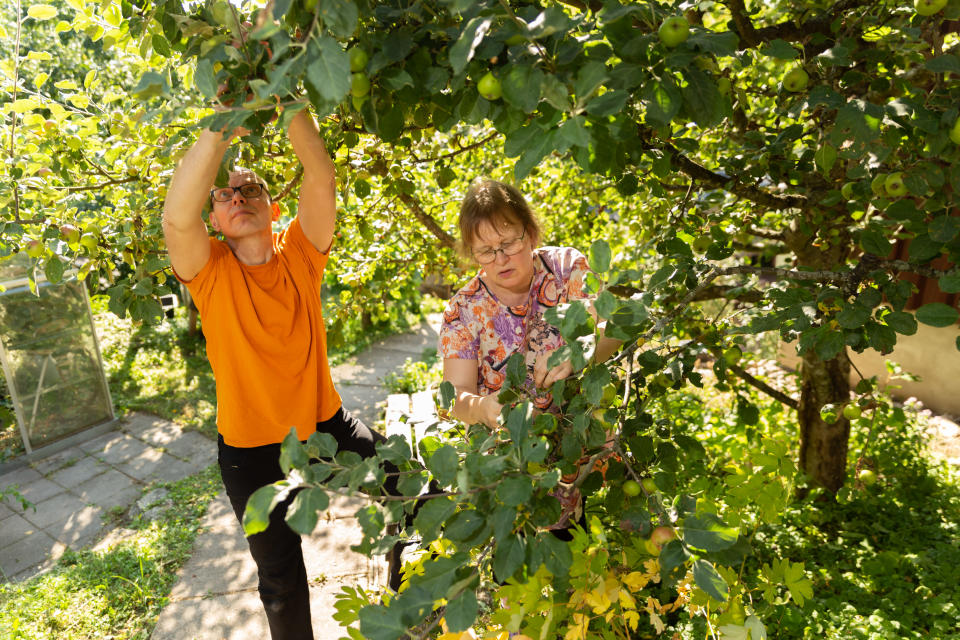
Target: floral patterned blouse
<point>477,326</point>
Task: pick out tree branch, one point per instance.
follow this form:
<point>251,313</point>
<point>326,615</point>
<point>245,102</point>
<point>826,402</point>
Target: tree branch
<point>699,172</point>
<point>290,185</point>
<point>763,386</point>
<point>444,156</point>
<point>427,220</point>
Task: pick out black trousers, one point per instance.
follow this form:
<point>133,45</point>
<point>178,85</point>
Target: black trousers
<point>276,550</point>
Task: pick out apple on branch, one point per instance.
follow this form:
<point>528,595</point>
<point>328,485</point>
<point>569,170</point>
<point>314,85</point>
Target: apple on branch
<point>673,31</point>
<point>928,7</point>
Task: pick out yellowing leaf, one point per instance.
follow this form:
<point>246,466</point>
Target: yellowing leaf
<point>39,55</point>
<point>66,85</point>
<point>62,26</point>
<point>42,12</point>
<point>88,79</point>
<point>632,618</point>
<point>23,105</point>
<point>40,80</point>
<point>635,581</point>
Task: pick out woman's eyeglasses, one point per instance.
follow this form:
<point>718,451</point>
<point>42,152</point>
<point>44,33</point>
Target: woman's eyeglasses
<point>508,248</point>
<point>249,190</point>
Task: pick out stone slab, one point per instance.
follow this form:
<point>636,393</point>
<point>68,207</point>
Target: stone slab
<point>55,509</point>
<point>101,443</point>
<point>14,529</point>
<point>109,489</point>
<point>57,461</point>
<point>190,446</point>
<point>327,554</point>
<point>126,449</point>
<point>362,402</point>
<point>24,558</point>
<point>39,490</point>
<point>82,470</point>
<point>79,528</point>
<point>231,616</point>
<point>151,429</point>
<point>370,367</point>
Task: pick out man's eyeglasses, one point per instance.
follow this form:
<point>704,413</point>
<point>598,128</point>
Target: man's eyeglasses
<point>508,248</point>
<point>249,190</point>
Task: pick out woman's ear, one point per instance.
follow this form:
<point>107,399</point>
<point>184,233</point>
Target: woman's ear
<point>274,211</point>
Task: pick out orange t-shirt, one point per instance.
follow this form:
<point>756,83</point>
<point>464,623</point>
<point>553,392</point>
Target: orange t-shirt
<point>266,341</point>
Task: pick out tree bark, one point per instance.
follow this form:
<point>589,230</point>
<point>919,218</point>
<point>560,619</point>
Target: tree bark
<point>823,446</point>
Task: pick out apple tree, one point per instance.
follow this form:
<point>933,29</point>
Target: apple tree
<point>733,170</point>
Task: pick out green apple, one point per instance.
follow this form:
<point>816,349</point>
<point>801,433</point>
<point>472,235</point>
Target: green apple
<point>489,86</point>
<point>851,411</point>
<point>35,248</point>
<point>867,477</point>
<point>702,243</point>
<point>89,241</point>
<point>662,535</point>
<point>673,31</point>
<point>631,488</point>
<point>894,185</point>
<point>70,233</point>
<point>928,7</point>
<point>358,102</point>
<point>796,79</point>
<point>358,59</point>
<point>648,485</point>
<point>359,85</point>
<point>877,185</point>
<point>955,132</point>
<point>847,191</point>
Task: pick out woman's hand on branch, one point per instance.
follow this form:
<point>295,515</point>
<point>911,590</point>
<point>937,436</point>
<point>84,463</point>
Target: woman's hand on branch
<point>544,376</point>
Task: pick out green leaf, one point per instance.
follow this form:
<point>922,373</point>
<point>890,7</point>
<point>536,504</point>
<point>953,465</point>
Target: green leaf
<point>340,16</point>
<point>151,84</point>
<point>600,256</point>
<point>901,322</point>
<point>462,611</point>
<point>663,101</point>
<point>293,455</point>
<point>328,69</point>
<point>608,104</point>
<point>830,345</point>
<point>780,49</point>
<point>944,228</point>
<point>324,445</point>
<point>923,248</point>
<point>256,515</point>
<point>573,133</point>
<point>708,532</point>
<point>950,283</point>
<point>42,12</point>
<point>447,395</point>
<point>508,556</point>
<point>431,517</point>
<point>948,63</point>
<point>707,578</point>
<point>521,87</point>
<point>443,464</point>
<point>464,525</point>
<point>701,98</point>
<point>382,623</point>
<point>937,314</point>
<point>466,45</point>
<point>306,507</point>
<point>160,45</point>
<point>825,157</point>
<point>875,242</point>
<point>853,316</point>
<point>605,304</point>
<point>514,490</point>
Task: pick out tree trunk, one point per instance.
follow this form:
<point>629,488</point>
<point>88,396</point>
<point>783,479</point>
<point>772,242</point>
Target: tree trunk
<point>823,446</point>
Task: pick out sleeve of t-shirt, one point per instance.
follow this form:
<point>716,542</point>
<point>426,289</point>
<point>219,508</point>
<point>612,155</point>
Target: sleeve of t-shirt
<point>294,244</point>
<point>202,285</point>
<point>456,338</point>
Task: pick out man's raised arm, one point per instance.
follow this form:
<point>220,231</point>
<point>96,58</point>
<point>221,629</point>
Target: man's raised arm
<point>317,208</point>
<point>188,243</point>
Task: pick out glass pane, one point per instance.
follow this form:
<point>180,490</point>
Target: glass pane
<point>52,355</point>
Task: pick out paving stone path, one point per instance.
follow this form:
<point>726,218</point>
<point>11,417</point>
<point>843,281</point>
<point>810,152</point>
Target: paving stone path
<point>215,596</point>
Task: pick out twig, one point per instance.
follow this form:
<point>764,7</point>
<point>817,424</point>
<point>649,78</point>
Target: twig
<point>763,386</point>
<point>451,154</point>
<point>13,126</point>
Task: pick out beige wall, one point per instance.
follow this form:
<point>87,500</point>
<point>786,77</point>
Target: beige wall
<point>930,353</point>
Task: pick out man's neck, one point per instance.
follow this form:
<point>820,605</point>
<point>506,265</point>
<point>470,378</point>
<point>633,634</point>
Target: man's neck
<point>252,250</point>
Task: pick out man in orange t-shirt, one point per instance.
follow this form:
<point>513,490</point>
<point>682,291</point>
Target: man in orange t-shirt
<point>259,299</point>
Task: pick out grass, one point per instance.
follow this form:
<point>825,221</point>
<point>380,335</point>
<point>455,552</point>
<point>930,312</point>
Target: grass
<point>118,592</point>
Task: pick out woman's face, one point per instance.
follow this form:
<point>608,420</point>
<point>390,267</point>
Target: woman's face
<point>505,253</point>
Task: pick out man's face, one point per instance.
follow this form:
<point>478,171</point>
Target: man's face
<point>240,215</point>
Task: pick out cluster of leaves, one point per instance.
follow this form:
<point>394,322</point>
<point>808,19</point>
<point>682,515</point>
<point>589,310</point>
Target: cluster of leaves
<point>492,497</point>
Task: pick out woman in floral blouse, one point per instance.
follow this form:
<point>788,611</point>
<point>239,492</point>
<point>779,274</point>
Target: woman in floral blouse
<point>500,310</point>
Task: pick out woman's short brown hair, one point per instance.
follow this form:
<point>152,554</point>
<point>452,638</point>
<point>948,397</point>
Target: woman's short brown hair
<point>497,204</point>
